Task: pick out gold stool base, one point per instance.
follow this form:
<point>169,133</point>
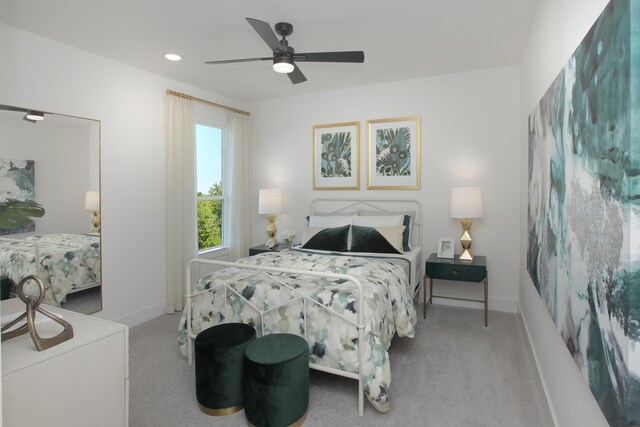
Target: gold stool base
<point>294,424</point>
<point>221,411</point>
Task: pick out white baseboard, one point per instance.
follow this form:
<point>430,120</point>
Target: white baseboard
<point>496,304</point>
<point>538,369</point>
<point>142,315</point>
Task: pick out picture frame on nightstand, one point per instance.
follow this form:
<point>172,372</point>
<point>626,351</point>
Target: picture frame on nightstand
<point>446,247</point>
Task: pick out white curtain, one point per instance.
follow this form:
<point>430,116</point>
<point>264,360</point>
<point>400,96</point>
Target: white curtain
<point>179,129</point>
<point>239,187</point>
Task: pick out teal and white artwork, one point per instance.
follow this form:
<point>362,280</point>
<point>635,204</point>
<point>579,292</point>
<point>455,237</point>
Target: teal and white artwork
<point>336,156</point>
<point>393,154</point>
<point>17,191</point>
<point>584,208</point>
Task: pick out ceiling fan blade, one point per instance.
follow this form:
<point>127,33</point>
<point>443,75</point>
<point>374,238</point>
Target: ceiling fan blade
<point>264,30</point>
<point>296,75</point>
<point>231,61</point>
<point>349,56</point>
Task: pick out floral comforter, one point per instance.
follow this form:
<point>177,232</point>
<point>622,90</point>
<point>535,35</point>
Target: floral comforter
<point>89,244</point>
<point>333,342</point>
<point>62,267</point>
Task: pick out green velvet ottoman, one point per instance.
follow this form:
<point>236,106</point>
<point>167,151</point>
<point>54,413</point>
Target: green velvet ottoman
<point>219,355</point>
<point>276,390</point>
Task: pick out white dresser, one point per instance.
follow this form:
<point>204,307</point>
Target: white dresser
<point>81,382</point>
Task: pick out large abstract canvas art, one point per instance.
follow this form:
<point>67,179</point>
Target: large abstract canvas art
<point>584,208</point>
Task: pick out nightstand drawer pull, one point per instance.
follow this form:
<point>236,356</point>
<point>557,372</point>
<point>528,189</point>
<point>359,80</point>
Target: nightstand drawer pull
<point>454,273</point>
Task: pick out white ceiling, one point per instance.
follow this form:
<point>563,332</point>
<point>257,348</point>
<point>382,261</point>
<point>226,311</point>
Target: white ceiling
<point>401,39</point>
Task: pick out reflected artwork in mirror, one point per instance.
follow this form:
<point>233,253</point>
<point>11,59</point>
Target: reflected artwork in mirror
<point>50,206</point>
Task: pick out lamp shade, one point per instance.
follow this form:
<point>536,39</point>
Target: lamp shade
<point>92,201</point>
<point>270,201</point>
<point>466,202</point>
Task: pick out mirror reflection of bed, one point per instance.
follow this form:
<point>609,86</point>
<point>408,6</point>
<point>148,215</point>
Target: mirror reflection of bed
<point>51,165</point>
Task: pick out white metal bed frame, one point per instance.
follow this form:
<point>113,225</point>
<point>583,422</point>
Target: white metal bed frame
<point>39,268</point>
<point>259,269</point>
<point>343,206</point>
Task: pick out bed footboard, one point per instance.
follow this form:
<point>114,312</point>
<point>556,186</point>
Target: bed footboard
<point>299,296</point>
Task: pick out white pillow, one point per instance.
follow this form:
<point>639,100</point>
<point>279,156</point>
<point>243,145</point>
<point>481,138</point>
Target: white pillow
<point>379,220</point>
<point>329,221</point>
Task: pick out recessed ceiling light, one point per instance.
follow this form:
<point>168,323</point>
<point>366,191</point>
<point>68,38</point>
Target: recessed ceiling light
<point>173,57</point>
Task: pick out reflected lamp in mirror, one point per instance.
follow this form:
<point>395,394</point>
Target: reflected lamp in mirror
<point>270,204</point>
<point>466,204</point>
<point>92,203</point>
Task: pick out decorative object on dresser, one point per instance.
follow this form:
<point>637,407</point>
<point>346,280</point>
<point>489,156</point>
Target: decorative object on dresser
<point>336,156</point>
<point>270,204</point>
<point>463,271</point>
<point>393,154</point>
<point>466,204</point>
<point>445,247</point>
<point>33,307</point>
<point>92,203</point>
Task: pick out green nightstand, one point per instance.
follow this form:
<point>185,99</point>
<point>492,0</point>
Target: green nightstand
<point>262,248</point>
<point>454,269</point>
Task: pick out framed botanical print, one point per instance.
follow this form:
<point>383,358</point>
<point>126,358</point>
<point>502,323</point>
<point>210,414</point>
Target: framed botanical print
<point>336,156</point>
<point>393,154</point>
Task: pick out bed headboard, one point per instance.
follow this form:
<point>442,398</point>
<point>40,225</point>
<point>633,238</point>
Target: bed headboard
<point>341,206</point>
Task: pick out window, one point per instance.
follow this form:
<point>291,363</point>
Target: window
<point>210,186</point>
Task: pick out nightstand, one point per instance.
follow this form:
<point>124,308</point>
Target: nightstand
<point>262,248</point>
<point>455,269</point>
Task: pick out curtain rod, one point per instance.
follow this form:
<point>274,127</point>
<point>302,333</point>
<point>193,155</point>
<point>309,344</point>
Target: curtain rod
<point>215,104</point>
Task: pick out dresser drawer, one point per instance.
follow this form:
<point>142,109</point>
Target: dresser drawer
<point>464,273</point>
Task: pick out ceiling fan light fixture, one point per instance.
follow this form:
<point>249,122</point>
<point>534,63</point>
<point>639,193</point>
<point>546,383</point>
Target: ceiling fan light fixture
<point>283,65</point>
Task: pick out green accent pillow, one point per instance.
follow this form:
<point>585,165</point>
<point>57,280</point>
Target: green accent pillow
<point>326,239</point>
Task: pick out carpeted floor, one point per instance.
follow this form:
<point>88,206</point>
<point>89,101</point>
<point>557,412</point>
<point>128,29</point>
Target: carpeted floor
<point>455,372</point>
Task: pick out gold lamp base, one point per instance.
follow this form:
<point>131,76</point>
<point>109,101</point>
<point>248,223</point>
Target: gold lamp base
<point>95,221</point>
<point>271,232</point>
<point>465,240</point>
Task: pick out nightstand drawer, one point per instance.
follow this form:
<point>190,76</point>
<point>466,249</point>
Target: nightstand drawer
<point>464,273</point>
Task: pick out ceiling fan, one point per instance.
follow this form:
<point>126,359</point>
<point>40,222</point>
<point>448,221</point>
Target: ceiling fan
<point>285,57</point>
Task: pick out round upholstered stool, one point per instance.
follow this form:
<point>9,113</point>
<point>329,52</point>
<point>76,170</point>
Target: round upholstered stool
<point>219,355</point>
<point>276,391</point>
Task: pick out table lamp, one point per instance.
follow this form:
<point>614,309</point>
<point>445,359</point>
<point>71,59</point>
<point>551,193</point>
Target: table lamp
<point>466,204</point>
<point>270,204</point>
<point>92,203</point>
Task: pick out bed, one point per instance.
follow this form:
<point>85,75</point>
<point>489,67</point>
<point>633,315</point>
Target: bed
<point>317,293</point>
<point>66,263</point>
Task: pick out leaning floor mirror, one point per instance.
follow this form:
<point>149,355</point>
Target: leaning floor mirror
<point>50,206</point>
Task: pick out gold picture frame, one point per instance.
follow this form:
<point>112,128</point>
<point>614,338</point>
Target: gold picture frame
<point>336,156</point>
<point>393,154</point>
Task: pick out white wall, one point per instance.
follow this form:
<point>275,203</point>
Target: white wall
<point>60,151</point>
<point>470,135</point>
<point>558,28</point>
<point>42,74</point>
